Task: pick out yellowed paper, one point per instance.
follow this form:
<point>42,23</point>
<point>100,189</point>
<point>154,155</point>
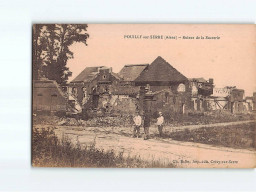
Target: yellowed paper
<point>144,95</point>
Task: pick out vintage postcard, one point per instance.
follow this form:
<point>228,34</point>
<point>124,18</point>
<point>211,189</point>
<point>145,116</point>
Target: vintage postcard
<point>144,95</point>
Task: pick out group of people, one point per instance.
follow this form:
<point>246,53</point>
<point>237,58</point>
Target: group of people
<point>146,124</point>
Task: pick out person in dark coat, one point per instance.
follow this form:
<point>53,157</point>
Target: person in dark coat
<point>146,125</point>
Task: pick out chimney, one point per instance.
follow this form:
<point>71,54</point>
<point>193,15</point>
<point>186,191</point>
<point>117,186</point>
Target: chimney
<point>105,70</point>
<point>211,80</point>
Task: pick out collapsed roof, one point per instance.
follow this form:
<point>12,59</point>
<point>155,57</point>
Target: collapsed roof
<point>131,72</point>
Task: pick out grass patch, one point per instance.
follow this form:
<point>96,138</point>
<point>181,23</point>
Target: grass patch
<point>48,151</point>
<point>205,118</point>
<point>235,136</point>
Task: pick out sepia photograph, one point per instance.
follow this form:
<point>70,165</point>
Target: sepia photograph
<point>143,95</point>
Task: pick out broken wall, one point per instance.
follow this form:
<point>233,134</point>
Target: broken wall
<point>172,103</point>
<point>117,104</point>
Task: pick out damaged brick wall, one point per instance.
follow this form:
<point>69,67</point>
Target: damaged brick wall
<point>175,103</point>
<point>166,101</point>
<point>117,104</point>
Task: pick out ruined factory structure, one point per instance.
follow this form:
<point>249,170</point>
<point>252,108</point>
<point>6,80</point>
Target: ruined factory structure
<point>138,87</point>
<point>98,91</point>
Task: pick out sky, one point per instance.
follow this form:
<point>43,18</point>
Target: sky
<point>229,60</point>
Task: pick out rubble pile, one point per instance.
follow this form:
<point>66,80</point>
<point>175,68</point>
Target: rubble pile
<point>127,120</point>
<point>117,121</point>
<point>71,122</point>
<point>122,121</point>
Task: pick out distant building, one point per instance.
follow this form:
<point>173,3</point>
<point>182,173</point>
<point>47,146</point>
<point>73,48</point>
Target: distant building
<point>219,100</point>
<point>201,89</point>
<point>248,102</point>
<point>201,86</point>
<point>236,99</point>
<point>228,98</point>
<point>254,101</point>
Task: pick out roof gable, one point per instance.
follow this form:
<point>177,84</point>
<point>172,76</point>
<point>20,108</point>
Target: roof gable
<point>160,71</point>
<point>131,72</point>
<point>87,74</point>
<point>48,84</point>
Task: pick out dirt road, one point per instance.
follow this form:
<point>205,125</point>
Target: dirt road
<point>182,154</point>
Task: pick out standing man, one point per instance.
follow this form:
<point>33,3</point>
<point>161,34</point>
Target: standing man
<point>160,122</point>
<point>137,124</point>
<point>146,125</point>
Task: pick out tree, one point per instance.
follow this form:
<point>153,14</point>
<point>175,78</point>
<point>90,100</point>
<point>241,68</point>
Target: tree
<point>51,49</point>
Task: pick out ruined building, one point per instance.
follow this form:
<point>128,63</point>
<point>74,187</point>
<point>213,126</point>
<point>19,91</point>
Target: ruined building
<point>151,87</point>
<point>201,89</point>
<point>92,83</point>
<point>250,103</point>
<point>228,98</point>
<point>236,100</point>
<point>254,101</point>
<point>163,88</point>
<point>144,87</point>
